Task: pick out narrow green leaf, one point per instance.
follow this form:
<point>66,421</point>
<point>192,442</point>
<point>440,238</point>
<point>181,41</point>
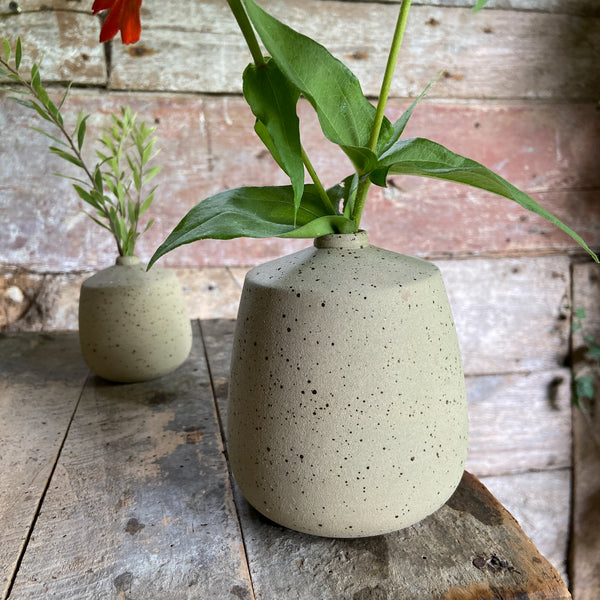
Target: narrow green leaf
<point>81,129</point>
<point>66,156</point>
<point>345,114</point>
<point>6,47</point>
<point>247,212</point>
<point>422,157</point>
<point>273,101</point>
<point>18,54</point>
<point>584,387</point>
<point>148,225</point>
<point>479,5</point>
<point>53,138</point>
<point>86,196</point>
<point>98,179</point>
<point>151,173</point>
<point>64,98</point>
<point>98,222</point>
<point>400,125</point>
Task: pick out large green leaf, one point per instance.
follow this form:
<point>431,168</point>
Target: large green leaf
<point>256,212</point>
<point>345,114</point>
<point>273,101</point>
<point>425,158</point>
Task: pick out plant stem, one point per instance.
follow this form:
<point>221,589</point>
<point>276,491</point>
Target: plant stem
<point>317,182</point>
<point>246,27</point>
<point>389,72</point>
<point>363,187</point>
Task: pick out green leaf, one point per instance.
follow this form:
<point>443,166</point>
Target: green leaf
<point>80,129</point>
<point>422,157</point>
<point>345,114</point>
<point>6,47</point>
<point>595,352</point>
<point>151,173</point>
<point>86,196</point>
<point>53,138</point>
<point>400,124</point>
<point>273,102</point>
<point>479,5</point>
<point>322,226</point>
<point>256,212</point>
<point>584,387</point>
<point>18,54</point>
<point>66,156</point>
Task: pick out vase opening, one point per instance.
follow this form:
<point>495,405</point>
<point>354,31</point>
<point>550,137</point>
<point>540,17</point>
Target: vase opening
<point>343,241</point>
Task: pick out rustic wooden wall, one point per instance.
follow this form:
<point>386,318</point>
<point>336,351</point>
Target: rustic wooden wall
<point>520,94</point>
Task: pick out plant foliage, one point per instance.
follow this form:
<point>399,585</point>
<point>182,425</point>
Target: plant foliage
<point>115,188</point>
<point>298,66</point>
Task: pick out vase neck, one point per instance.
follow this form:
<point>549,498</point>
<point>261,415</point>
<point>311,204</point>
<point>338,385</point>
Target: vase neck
<point>127,260</point>
<point>343,241</point>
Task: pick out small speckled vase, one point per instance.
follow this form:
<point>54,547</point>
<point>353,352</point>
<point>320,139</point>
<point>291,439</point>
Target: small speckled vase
<point>133,323</point>
<point>347,410</point>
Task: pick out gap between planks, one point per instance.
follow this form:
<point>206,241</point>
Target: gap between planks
<point>223,442</point>
<point>40,501</point>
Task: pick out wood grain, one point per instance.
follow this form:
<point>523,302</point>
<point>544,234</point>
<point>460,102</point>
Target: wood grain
<point>575,7</point>
<point>63,40</point>
<point>472,529</point>
<point>540,502</point>
<point>483,55</point>
<point>547,150</point>
<point>140,504</point>
<point>585,547</point>
<point>41,379</point>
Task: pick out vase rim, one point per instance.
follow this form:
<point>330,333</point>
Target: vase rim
<point>343,241</point>
<point>127,260</point>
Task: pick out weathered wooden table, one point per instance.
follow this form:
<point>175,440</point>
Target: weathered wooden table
<point>123,491</point>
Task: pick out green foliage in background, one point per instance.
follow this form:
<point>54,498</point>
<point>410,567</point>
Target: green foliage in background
<point>114,186</point>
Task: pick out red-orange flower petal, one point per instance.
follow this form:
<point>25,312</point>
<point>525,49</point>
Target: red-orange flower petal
<point>123,16</point>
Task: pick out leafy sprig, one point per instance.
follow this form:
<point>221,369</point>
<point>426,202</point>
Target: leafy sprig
<point>115,186</point>
<point>300,67</point>
<point>584,389</point>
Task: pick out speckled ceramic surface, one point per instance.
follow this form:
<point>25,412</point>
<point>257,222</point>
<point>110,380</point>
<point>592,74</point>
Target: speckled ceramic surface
<point>347,409</point>
<point>133,323</point>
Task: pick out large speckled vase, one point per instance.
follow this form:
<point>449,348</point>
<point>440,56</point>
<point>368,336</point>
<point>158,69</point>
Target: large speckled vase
<point>133,323</point>
<point>347,411</point>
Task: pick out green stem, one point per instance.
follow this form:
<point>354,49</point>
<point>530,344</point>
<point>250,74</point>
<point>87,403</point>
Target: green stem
<point>317,182</point>
<point>389,72</point>
<point>363,188</point>
<point>246,28</point>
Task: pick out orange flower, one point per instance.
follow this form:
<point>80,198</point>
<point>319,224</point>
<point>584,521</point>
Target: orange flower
<point>123,16</point>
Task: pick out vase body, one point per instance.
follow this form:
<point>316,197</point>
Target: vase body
<point>133,323</point>
<point>347,410</point>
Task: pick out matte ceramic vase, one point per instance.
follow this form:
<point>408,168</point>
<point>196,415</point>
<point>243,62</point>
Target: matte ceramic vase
<point>347,410</point>
<point>133,323</point>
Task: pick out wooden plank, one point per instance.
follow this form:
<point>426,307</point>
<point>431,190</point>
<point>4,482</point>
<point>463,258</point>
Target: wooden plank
<point>208,144</point>
<point>511,315</point>
<point>41,379</point>
<point>573,7</point>
<point>140,505</point>
<point>483,54</point>
<point>490,558</point>
<point>63,39</point>
<point>519,422</point>
<point>585,546</point>
<point>540,501</point>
